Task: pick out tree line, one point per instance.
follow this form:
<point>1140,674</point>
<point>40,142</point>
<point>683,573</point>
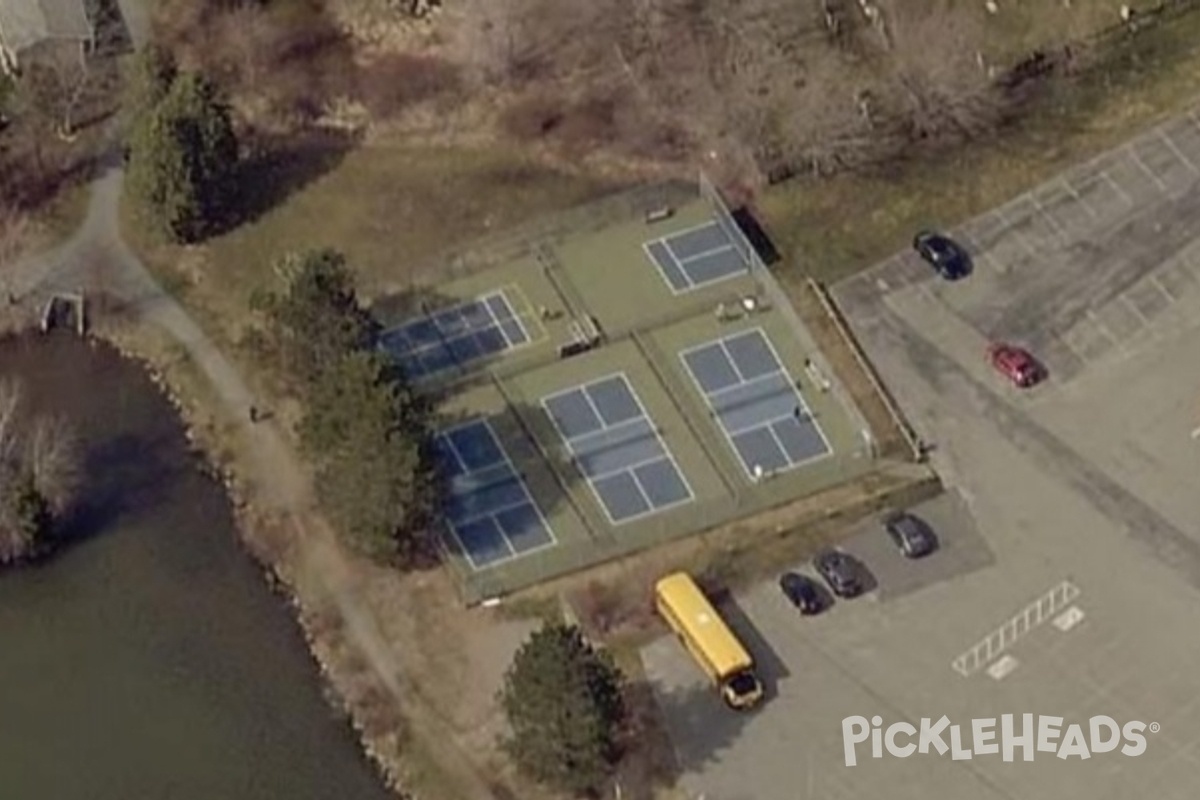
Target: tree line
<point>366,431</point>
<point>363,427</point>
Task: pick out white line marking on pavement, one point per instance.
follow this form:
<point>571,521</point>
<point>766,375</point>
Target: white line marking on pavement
<point>1069,619</point>
<point>1154,279</point>
<point>1010,230</point>
<point>1003,668</point>
<point>1095,318</point>
<point>1024,621</point>
<point>1071,348</point>
<point>1132,306</point>
<point>1178,153</point>
<point>1117,188</point>
<point>1078,198</point>
<point>1062,234</point>
<point>1162,187</point>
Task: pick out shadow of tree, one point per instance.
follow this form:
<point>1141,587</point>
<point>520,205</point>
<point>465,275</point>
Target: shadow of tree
<point>124,475</point>
<point>701,726</point>
<point>277,167</point>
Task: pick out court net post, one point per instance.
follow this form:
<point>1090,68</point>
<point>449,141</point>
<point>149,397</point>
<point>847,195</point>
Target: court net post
<point>649,353</point>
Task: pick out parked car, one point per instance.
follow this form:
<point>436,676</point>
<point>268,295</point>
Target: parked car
<point>912,535</point>
<point>943,254</point>
<point>1016,364</point>
<point>802,592</point>
<point>842,571</point>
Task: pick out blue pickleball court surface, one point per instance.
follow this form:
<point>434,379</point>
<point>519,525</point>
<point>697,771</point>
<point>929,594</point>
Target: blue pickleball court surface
<point>615,445</point>
<point>698,257</point>
<point>757,404</point>
<point>489,508</point>
<point>455,336</point>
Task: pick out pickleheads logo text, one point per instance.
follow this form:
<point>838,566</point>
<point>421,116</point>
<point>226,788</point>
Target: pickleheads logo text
<point>1026,734</point>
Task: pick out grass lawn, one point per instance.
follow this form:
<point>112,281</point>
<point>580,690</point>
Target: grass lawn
<point>1021,28</point>
<point>833,227</point>
<point>391,209</point>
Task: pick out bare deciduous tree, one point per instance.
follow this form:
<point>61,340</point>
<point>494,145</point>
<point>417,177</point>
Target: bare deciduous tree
<point>53,457</point>
<point>10,425</point>
<point>56,80</point>
<point>942,91</point>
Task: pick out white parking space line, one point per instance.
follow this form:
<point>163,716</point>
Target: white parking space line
<point>1117,188</point>
<point>1041,210</point>
<point>1078,198</point>
<point>1178,153</point>
<point>1129,302</point>
<point>1016,234</point>
<point>1149,172</point>
<point>1095,318</point>
<point>1072,349</point>
<point>1154,279</point>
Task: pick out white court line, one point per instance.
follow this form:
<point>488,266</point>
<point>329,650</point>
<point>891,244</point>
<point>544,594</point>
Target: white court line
<point>780,369</point>
<point>1071,190</point>
<point>444,338</point>
<point>1169,142</point>
<point>662,272</point>
<point>1162,187</point>
<point>702,254</point>
<point>698,227</point>
<point>512,316</point>
<point>570,442</point>
<point>1117,188</point>
<point>513,553</point>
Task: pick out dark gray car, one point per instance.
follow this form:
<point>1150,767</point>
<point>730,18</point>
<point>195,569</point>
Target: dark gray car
<point>842,571</point>
<point>911,534</point>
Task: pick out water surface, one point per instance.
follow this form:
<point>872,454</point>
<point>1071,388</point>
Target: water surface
<point>148,660</point>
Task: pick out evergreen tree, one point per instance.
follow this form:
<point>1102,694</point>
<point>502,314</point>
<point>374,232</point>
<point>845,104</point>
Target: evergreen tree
<point>317,319</point>
<point>183,153</point>
<point>365,430</point>
<point>563,702</point>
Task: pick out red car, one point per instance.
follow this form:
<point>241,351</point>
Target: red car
<point>1016,364</point>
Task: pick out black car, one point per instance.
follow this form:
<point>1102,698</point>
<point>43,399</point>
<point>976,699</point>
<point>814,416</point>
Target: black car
<point>801,591</point>
<point>841,571</point>
<point>911,534</point>
<point>943,254</point>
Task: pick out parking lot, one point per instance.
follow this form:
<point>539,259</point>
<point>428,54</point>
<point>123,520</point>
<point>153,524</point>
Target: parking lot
<point>1070,561</point>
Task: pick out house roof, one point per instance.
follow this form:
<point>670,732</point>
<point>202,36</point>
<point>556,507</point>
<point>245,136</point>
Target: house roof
<point>24,23</point>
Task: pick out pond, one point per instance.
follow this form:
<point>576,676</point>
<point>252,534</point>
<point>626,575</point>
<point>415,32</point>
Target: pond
<point>148,659</point>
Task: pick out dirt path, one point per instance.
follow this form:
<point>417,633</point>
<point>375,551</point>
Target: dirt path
<point>96,256</point>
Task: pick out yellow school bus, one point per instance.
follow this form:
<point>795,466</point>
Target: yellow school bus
<point>706,636</point>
